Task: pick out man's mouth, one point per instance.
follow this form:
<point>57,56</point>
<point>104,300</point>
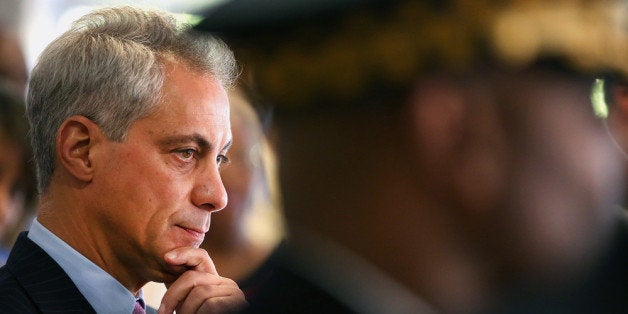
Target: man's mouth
<point>196,233</point>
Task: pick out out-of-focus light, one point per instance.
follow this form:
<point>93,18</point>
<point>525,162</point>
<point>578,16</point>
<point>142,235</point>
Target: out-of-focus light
<point>598,101</point>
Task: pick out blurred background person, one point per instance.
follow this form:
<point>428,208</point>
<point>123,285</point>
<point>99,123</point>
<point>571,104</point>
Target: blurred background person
<point>17,178</point>
<point>439,156</point>
<point>13,69</point>
<point>13,74</point>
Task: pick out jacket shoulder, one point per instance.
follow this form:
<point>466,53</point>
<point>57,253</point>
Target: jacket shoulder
<point>13,297</point>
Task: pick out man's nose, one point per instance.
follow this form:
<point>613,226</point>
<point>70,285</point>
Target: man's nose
<point>209,191</point>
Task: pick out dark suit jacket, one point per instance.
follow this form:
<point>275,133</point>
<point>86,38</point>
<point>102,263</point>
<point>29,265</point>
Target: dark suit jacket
<point>32,282</point>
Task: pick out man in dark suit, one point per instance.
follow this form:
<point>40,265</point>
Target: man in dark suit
<point>130,125</point>
<point>438,155</point>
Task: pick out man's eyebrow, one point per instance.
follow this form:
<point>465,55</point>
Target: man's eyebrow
<point>183,139</point>
<point>227,146</point>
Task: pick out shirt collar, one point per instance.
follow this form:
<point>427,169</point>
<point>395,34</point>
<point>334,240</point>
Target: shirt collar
<point>91,280</point>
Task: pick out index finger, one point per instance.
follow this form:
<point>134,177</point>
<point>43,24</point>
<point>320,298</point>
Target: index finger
<point>195,289</point>
<point>192,259</point>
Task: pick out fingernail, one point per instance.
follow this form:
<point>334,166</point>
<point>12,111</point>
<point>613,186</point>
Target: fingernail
<point>171,255</point>
<point>161,309</point>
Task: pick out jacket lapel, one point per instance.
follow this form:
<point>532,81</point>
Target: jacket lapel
<point>45,281</point>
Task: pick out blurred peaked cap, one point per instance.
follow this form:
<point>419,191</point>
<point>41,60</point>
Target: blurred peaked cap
<point>300,50</point>
<point>248,17</point>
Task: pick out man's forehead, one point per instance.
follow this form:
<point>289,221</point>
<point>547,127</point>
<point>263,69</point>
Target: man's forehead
<point>219,115</point>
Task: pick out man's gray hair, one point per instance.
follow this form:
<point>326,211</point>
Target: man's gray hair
<point>109,67</point>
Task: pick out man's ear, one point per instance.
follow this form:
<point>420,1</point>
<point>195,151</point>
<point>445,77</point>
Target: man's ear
<point>75,139</point>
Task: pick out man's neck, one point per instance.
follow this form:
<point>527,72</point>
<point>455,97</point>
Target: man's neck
<point>72,227</point>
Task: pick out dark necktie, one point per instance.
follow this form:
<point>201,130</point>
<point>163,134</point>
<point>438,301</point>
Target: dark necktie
<point>139,307</point>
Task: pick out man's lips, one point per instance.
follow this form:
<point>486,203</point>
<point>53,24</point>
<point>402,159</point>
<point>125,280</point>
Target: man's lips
<point>197,233</point>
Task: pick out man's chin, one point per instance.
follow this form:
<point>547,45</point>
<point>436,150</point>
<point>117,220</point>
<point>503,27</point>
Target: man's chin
<point>168,274</point>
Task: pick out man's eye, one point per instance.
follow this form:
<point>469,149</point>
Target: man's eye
<point>222,159</point>
<point>186,153</point>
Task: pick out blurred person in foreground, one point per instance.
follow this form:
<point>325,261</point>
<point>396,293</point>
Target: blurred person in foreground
<point>129,126</point>
<point>439,156</point>
<point>17,176</point>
